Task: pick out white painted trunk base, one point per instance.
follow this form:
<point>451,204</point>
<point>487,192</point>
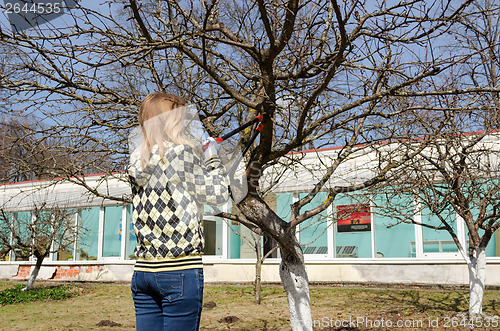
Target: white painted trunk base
<point>296,284</point>
<point>477,280</point>
<point>31,280</point>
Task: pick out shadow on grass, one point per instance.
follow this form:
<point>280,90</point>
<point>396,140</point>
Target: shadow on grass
<point>439,302</point>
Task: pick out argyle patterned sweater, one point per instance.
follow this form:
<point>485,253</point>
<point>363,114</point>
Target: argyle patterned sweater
<point>168,201</point>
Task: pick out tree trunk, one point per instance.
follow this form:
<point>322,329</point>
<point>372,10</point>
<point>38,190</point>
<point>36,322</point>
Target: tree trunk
<point>296,283</point>
<point>34,273</point>
<point>258,273</point>
<point>477,279</point>
<point>292,268</point>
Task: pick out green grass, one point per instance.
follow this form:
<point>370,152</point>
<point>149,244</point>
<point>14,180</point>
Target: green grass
<point>15,294</point>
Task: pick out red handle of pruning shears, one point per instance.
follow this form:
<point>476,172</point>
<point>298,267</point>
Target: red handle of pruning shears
<point>235,131</point>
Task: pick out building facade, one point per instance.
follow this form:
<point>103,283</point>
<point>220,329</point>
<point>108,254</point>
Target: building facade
<point>348,242</point>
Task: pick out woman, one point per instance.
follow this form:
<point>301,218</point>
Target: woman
<point>172,179</point>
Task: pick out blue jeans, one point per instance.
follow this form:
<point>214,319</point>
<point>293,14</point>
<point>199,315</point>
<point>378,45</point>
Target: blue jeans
<point>169,300</point>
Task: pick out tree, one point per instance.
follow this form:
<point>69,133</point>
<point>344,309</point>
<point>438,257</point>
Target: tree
<point>457,174</point>
<point>479,208</point>
<point>38,233</point>
<point>456,180</point>
<point>27,154</point>
<point>320,72</point>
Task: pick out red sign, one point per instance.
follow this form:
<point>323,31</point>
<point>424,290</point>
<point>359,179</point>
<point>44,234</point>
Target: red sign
<point>353,218</point>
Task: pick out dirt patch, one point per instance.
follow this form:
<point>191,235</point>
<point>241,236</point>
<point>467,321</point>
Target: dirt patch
<point>229,319</point>
<point>108,323</point>
<point>209,305</point>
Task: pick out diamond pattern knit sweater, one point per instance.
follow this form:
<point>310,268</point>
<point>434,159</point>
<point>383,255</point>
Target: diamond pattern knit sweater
<point>169,195</point>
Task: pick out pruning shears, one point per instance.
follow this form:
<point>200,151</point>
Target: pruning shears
<point>258,129</point>
<point>240,128</point>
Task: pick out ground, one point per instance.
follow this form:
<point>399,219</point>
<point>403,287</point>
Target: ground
<point>334,307</point>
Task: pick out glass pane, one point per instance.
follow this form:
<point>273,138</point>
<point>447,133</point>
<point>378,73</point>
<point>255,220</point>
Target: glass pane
<point>394,238</point>
<point>64,254</point>
<point>112,231</point>
<point>22,221</point>
<point>234,240</point>
<point>64,243</point>
<point>438,241</point>
<point>4,253</point>
<point>89,234</point>
<point>353,228</point>
<point>283,202</point>
<point>313,237</point>
<point>493,247</point>
<point>5,235</point>
<point>283,210</point>
<point>212,231</point>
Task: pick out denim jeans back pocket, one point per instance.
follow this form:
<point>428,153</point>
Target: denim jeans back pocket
<point>169,285</point>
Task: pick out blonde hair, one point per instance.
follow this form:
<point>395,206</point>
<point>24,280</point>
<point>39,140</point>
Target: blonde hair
<point>161,118</point>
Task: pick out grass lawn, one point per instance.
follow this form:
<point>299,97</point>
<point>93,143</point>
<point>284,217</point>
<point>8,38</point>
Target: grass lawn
<point>100,306</point>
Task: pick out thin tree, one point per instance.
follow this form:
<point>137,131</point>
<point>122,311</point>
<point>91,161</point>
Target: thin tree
<point>256,243</point>
<point>46,230</point>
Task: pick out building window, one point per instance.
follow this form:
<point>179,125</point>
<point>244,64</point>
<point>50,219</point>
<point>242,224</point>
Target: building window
<point>234,239</point>
<point>438,241</point>
<point>21,223</point>
<point>63,248</point>
<point>213,233</point>
<point>89,234</point>
<point>492,249</point>
<point>6,235</point>
<point>313,231</point>
<point>112,231</point>
<point>353,234</point>
<point>394,237</point>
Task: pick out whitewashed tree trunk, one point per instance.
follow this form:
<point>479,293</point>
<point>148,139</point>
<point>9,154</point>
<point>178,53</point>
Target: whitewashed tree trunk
<point>477,279</point>
<point>292,268</point>
<point>296,283</point>
<point>34,273</point>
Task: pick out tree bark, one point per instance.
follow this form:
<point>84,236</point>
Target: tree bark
<point>258,272</point>
<point>34,273</point>
<point>296,283</point>
<point>477,279</point>
<point>292,269</point>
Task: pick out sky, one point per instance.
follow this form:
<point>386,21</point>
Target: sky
<point>9,20</point>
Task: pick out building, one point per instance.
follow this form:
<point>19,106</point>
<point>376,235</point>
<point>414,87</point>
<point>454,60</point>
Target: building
<point>363,250</point>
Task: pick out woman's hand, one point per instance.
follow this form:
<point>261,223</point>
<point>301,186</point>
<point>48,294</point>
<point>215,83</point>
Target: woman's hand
<point>211,147</point>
